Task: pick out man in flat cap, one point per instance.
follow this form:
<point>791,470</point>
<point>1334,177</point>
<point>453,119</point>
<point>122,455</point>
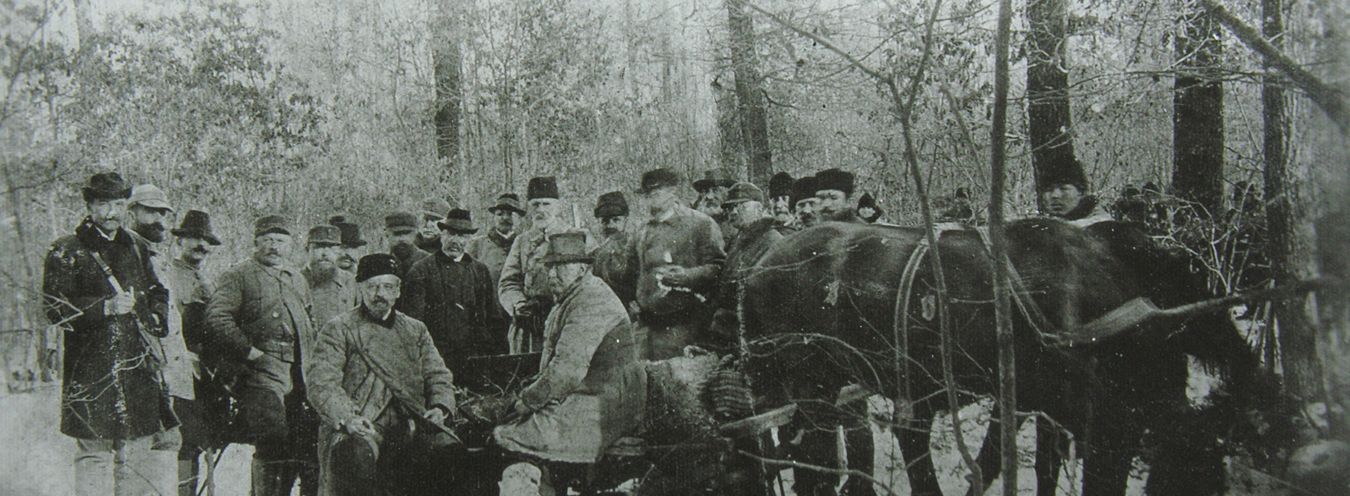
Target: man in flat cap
<point>189,292</point>
<point>378,383</point>
<point>834,196</point>
<point>804,202</point>
<point>591,388</point>
<point>100,287</point>
<point>491,248</point>
<point>259,319</point>
<point>677,256</point>
<point>755,237</point>
<point>611,257</point>
<point>523,287</point>
<point>353,247</point>
<point>451,293</point>
<point>332,291</point>
<point>431,211</point>
<point>400,229</point>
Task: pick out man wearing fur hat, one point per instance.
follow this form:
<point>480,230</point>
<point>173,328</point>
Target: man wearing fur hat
<point>834,196</point>
<point>377,381</point>
<point>677,257</point>
<point>804,202</point>
<point>611,257</point>
<point>259,321</point>
<point>1063,194</point>
<point>100,287</point>
<point>523,287</point>
<point>868,210</point>
<point>591,388</point>
<point>780,203</point>
<point>451,293</point>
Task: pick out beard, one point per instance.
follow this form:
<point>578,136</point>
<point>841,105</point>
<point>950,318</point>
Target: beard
<point>324,269</point>
<point>153,233</point>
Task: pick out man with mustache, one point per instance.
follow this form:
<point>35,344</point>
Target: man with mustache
<point>352,244</point>
<point>451,293</point>
<point>523,287</point>
<point>491,248</point>
<point>677,257</point>
<point>148,210</point>
<point>259,321</point>
<point>100,287</point>
<point>377,380</point>
<point>428,237</point>
<point>712,192</point>
<point>611,257</point>
<point>834,196</point>
<point>755,237</point>
<point>331,290</point>
<point>804,202</point>
<point>190,290</point>
<point>400,231</point>
<point>780,203</point>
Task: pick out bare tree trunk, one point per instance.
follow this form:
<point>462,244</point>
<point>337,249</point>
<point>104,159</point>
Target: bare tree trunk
<point>449,77</point>
<point>1007,367</point>
<point>1049,124</point>
<point>752,111</point>
<point>1287,246</point>
<point>732,152</point>
<point>1197,122</point>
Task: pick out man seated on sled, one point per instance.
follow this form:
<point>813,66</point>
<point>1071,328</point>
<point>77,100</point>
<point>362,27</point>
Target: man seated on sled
<point>591,389</point>
<point>381,388</point>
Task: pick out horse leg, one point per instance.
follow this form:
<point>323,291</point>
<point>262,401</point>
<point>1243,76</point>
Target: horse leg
<point>913,441</point>
<point>860,448</point>
<point>1189,459</point>
<point>1051,448</point>
<point>991,455</point>
<point>1106,467</point>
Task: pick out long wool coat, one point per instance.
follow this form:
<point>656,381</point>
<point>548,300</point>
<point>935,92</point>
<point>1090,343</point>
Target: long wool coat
<point>591,388</point>
<point>112,386</point>
<point>456,302</point>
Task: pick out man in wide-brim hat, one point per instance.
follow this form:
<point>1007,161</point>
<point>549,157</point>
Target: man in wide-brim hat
<point>591,388</point>
<point>452,293</point>
<point>492,247</point>
<point>353,246</point>
<point>100,287</point>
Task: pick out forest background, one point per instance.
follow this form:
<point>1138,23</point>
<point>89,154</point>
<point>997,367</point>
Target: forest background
<point>359,107</point>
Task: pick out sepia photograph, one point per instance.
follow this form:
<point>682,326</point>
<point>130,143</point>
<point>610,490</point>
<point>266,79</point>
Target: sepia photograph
<point>675,247</point>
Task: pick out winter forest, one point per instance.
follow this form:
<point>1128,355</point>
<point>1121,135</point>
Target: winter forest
<point>1233,112</point>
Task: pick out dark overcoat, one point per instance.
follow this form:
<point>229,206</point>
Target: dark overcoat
<point>456,302</point>
<point>112,385</point>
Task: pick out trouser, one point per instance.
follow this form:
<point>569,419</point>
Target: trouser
<point>397,460</point>
<point>284,430</point>
<point>185,444</point>
<point>665,336</point>
<point>121,467</point>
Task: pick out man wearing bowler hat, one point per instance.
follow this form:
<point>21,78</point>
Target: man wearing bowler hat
<point>189,291</point>
<point>611,257</point>
<point>492,248</point>
<point>523,287</point>
<point>100,287</point>
<point>259,320</point>
<point>352,244</point>
<point>331,290</point>
<point>452,294</point>
<point>677,257</point>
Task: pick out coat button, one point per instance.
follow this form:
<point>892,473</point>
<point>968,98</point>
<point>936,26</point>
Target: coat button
<point>276,315</point>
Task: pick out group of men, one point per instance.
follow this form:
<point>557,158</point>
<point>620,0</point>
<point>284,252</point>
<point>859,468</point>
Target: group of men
<point>342,371</point>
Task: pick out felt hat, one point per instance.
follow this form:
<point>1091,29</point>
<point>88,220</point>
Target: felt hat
<point>325,235</point>
<point>401,222</point>
<point>351,233</point>
<point>196,224</point>
<point>567,247</point>
<point>149,196</point>
<point>434,208</point>
<point>835,179</point>
<point>658,178</point>
<point>271,224</point>
<point>713,178</point>
<point>802,189</point>
<point>780,185</point>
<point>376,264</point>
<point>542,187</point>
<point>106,186</point>
<point>743,192</point>
<point>509,202</point>
<point>611,204</point>
<point>458,221</point>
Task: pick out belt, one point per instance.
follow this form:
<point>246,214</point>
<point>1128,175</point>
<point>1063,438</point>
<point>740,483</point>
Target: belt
<point>285,351</point>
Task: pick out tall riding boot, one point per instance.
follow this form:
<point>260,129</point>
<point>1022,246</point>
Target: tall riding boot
<point>273,478</point>
<point>187,477</point>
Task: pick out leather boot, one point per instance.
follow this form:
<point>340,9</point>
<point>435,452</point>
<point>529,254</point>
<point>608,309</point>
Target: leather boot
<point>272,478</point>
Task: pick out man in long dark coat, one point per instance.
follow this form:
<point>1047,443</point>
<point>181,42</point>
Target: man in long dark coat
<point>452,294</point>
<point>373,371</point>
<point>259,320</point>
<point>755,235</point>
<point>100,286</point>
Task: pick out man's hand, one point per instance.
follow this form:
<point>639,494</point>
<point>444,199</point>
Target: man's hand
<point>675,275</point>
<point>523,309</point>
<point>522,409</point>
<point>436,415</point>
<point>359,426</point>
<point>121,303</point>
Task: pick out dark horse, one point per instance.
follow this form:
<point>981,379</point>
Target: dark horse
<point>820,313</point>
